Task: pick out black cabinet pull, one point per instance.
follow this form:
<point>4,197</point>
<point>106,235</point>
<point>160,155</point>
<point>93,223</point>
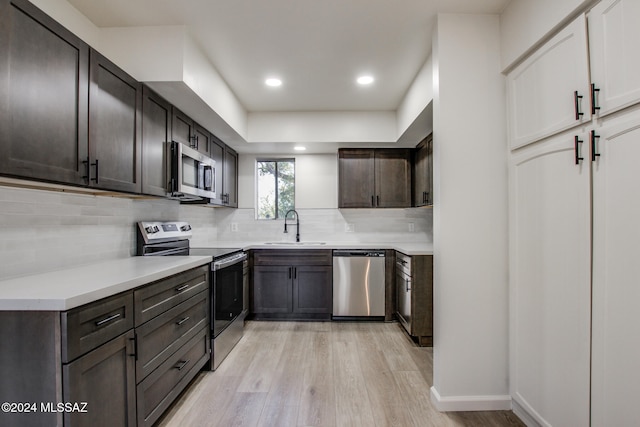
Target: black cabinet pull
<point>181,321</point>
<point>373,202</point>
<point>135,347</point>
<point>594,100</point>
<point>289,272</point>
<point>577,149</point>
<point>377,201</point>
<point>577,99</point>
<point>426,197</point>
<point>182,364</point>
<point>97,171</point>
<point>593,146</point>
<point>87,168</point>
<point>107,319</point>
<point>295,272</point>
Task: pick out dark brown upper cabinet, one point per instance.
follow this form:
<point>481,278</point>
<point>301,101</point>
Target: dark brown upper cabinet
<point>156,133</point>
<point>230,181</point>
<point>423,173</point>
<point>374,178</point>
<point>226,174</point>
<point>43,96</point>
<point>115,125</point>
<point>185,131</point>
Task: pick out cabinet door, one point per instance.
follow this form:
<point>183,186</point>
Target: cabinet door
<point>202,139</point>
<point>422,175</point>
<point>105,380</point>
<point>217,154</point>
<point>542,90</point>
<point>272,289</point>
<point>616,250</point>
<point>156,132</point>
<point>356,178</point>
<point>230,181</point>
<point>550,291</point>
<point>393,178</point>
<point>182,130</point>
<point>43,96</point>
<point>614,42</point>
<point>115,104</point>
<point>313,290</point>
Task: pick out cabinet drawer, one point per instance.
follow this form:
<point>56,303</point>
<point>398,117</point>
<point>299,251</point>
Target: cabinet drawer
<point>158,390</point>
<point>158,297</point>
<point>163,335</point>
<point>292,257</point>
<point>86,327</point>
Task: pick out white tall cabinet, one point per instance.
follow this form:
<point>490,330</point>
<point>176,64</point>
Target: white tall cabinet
<point>550,285</point>
<point>574,233</point>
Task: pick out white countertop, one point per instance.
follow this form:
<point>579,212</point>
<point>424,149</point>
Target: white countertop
<point>65,289</point>
<point>407,248</point>
<point>69,288</point>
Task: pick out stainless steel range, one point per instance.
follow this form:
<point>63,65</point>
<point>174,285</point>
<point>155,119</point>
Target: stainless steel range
<point>228,280</point>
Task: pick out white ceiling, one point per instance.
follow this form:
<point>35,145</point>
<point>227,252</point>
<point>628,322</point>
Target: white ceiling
<point>317,47</point>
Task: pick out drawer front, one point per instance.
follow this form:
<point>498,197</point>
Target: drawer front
<point>163,335</point>
<point>89,326</point>
<point>156,393</point>
<point>156,298</point>
<point>292,257</point>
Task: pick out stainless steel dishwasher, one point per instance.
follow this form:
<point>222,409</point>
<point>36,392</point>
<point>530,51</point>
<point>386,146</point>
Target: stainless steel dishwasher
<point>358,284</point>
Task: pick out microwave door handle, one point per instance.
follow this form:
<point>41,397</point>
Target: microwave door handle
<point>208,178</point>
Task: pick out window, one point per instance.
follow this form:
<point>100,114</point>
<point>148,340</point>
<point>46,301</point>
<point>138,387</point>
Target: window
<point>275,188</point>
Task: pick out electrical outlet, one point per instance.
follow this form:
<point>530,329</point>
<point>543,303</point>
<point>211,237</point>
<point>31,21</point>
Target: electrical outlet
<point>234,226</point>
<point>349,227</point>
<point>412,227</point>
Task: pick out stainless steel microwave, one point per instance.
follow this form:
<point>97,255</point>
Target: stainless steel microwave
<point>192,173</point>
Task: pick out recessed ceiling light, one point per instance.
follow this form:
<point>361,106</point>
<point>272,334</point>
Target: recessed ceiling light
<point>273,82</point>
<point>365,80</point>
<point>299,148</point>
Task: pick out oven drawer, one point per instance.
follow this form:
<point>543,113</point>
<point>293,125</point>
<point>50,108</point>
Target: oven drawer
<point>156,298</point>
<point>158,390</point>
<point>89,326</point>
<point>163,335</point>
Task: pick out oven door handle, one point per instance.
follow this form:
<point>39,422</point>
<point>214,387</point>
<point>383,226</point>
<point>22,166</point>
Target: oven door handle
<point>219,265</point>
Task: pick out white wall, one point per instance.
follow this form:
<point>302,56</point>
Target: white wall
<point>470,216</point>
<point>330,126</point>
<point>417,98</point>
<point>524,23</point>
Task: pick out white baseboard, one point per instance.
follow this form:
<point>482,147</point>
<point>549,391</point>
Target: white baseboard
<point>524,415</point>
<point>470,403</point>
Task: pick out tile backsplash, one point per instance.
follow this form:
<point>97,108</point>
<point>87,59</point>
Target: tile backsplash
<point>48,230</point>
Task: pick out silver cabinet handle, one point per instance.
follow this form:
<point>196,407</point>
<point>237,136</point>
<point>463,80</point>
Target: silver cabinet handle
<point>181,288</point>
<point>108,319</point>
<point>407,284</point>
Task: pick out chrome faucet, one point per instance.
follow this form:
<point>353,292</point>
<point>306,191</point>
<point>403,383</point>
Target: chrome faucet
<point>297,223</point>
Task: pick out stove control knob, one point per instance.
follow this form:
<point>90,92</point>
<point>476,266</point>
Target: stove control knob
<point>156,229</point>
<point>185,227</point>
<point>149,229</point>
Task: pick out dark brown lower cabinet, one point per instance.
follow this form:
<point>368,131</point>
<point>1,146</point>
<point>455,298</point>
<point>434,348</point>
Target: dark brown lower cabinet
<point>128,373</point>
<point>104,379</point>
<point>299,288</point>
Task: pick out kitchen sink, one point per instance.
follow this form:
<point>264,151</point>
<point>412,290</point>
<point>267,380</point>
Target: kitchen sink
<point>296,243</point>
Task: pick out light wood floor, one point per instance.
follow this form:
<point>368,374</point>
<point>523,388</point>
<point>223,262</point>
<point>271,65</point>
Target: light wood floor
<point>321,374</point>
